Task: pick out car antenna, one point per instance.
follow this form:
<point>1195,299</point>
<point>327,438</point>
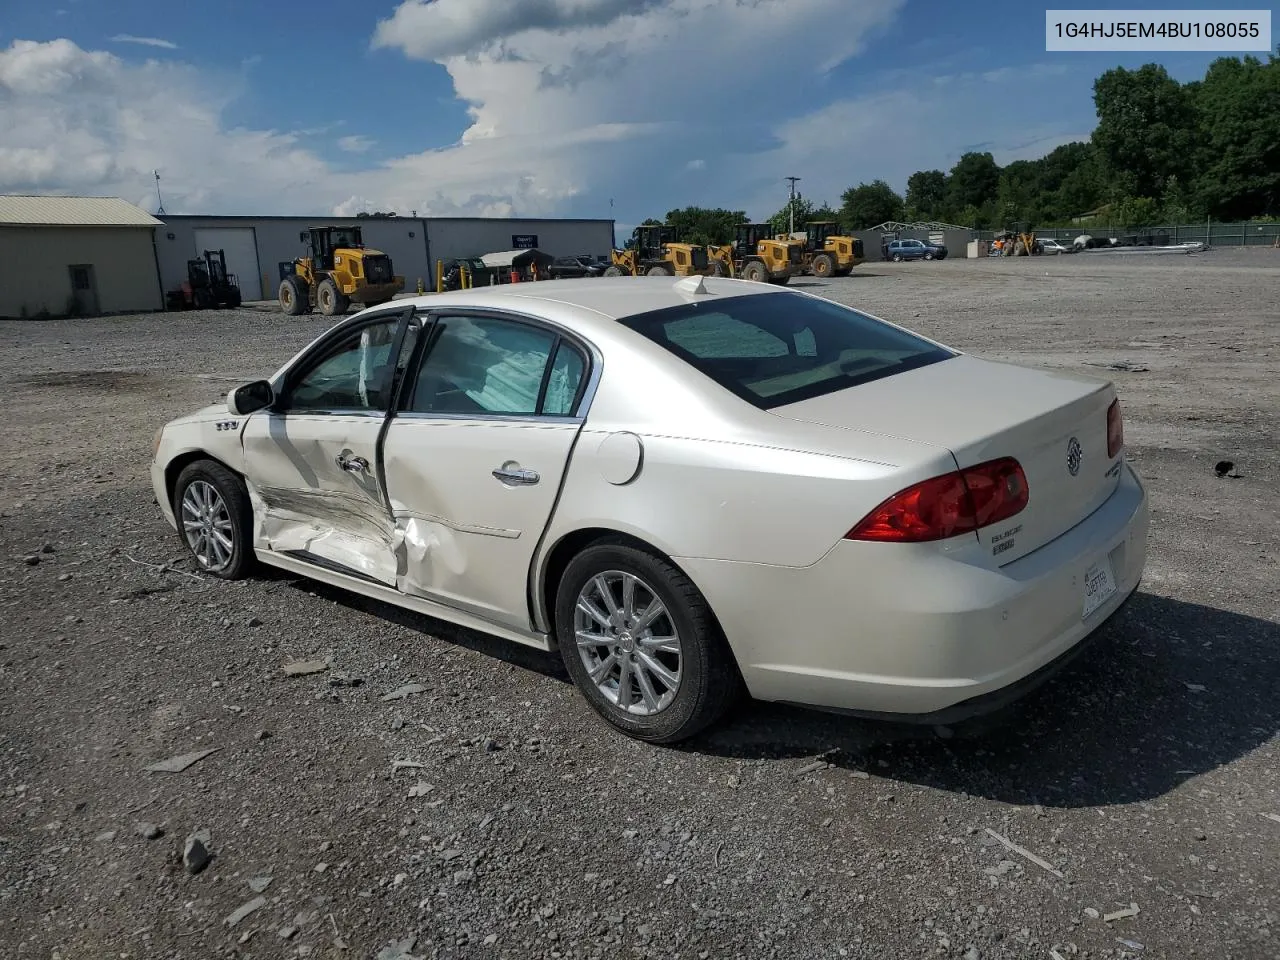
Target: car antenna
<point>692,285</point>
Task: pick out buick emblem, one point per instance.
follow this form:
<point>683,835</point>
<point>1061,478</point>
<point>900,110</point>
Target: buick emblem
<point>1074,456</point>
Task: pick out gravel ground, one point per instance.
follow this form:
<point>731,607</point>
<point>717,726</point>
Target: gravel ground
<point>1147,775</point>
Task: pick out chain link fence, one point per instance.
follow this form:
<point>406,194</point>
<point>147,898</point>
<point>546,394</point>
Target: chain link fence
<point>1214,234</point>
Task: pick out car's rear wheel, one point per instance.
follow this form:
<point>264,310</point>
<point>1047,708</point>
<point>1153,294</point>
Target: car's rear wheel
<point>214,519</point>
<point>641,644</point>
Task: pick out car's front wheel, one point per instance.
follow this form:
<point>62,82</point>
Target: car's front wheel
<point>641,644</point>
<point>214,519</point>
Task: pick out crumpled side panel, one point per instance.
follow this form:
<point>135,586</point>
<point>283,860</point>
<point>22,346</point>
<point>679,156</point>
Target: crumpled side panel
<point>343,529</point>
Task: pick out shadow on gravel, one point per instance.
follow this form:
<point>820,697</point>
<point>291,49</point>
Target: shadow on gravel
<point>1172,691</point>
<point>527,658</point>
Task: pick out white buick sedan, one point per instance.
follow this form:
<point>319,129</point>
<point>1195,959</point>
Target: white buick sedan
<point>692,488</point>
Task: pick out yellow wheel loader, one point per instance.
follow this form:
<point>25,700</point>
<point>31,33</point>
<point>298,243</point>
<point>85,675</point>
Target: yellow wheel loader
<point>654,251</point>
<point>757,255</point>
<point>827,253</point>
<point>340,270</point>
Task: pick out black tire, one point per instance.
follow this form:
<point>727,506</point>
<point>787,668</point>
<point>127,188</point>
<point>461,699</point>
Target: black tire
<point>897,258</point>
<point>233,299</point>
<point>709,679</point>
<point>614,270</point>
<point>781,281</point>
<point>329,298</point>
<point>843,271</point>
<point>824,265</point>
<point>661,270</point>
<point>202,299</point>
<point>294,296</point>
<point>928,254</point>
<point>239,512</point>
<point>755,270</point>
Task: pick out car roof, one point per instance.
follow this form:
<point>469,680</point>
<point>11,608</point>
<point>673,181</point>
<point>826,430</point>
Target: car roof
<point>588,300</point>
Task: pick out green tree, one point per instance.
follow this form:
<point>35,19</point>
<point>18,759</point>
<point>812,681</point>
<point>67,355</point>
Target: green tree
<point>1135,212</point>
<point>926,195</point>
<point>1238,109</point>
<point>1146,129</point>
<point>974,180</point>
<point>868,204</point>
<point>805,212</point>
<point>702,225</point>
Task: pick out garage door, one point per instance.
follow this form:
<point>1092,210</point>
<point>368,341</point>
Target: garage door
<point>242,256</point>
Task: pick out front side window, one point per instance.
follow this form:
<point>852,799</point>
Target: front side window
<point>774,349</point>
<point>487,365</point>
<point>354,374</point>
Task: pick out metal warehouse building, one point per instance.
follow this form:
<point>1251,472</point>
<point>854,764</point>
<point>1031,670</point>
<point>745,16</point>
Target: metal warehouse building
<point>255,247</point>
<point>76,256</point>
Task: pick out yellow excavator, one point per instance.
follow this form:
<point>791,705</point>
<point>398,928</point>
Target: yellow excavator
<point>654,251</point>
<point>756,254</point>
<point>340,270</point>
<point>827,253</point>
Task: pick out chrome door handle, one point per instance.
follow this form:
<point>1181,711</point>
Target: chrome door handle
<point>351,464</point>
<point>517,475</point>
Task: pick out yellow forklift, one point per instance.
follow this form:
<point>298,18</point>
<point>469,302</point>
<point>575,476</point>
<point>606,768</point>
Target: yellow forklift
<point>828,253</point>
<point>655,251</point>
<point>756,254</point>
<point>339,270</point>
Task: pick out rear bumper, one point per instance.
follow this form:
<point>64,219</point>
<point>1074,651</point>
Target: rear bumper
<point>912,631</point>
<point>995,700</point>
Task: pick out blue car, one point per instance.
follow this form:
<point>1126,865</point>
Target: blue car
<point>898,250</point>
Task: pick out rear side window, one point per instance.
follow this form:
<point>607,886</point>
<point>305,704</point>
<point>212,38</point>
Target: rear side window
<point>775,349</point>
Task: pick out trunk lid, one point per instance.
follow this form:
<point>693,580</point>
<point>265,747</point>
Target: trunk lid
<point>982,410</point>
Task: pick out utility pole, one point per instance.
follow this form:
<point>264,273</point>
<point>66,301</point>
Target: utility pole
<point>159,200</point>
<point>791,204</point>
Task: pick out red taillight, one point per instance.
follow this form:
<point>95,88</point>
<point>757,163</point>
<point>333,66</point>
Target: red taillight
<point>947,506</point>
<point>1115,429</point>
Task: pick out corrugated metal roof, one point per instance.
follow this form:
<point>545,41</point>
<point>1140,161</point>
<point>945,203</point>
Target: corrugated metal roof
<point>73,211</point>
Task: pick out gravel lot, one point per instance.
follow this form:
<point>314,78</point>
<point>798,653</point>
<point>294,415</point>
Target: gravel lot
<point>1147,775</point>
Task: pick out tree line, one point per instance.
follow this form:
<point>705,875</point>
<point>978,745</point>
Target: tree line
<point>1162,152</point>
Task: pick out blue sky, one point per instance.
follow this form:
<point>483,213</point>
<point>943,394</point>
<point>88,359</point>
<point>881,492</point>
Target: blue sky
<point>526,107</point>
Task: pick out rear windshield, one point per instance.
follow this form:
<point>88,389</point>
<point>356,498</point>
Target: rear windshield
<point>775,349</point>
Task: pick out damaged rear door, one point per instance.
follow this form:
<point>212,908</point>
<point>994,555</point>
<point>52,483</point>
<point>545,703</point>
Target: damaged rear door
<point>312,459</point>
<point>476,454</point>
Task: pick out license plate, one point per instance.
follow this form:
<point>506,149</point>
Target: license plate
<point>1099,585</point>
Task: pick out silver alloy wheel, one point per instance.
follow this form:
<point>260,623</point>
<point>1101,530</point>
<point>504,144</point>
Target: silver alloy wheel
<point>628,643</point>
<point>207,525</point>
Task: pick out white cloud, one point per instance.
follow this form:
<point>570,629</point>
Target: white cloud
<point>355,144</point>
<point>576,106</point>
<point>144,41</point>
<point>440,29</point>
<point>80,121</point>
<point>889,135</point>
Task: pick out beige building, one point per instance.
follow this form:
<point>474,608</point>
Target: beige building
<point>76,256</point>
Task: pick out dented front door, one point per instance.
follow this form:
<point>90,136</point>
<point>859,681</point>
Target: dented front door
<point>312,463</point>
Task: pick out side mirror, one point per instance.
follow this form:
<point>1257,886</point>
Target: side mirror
<point>250,398</point>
